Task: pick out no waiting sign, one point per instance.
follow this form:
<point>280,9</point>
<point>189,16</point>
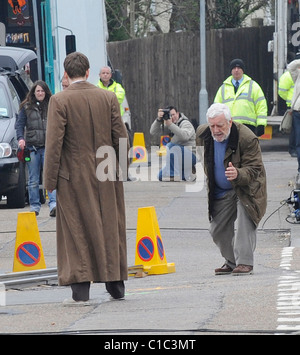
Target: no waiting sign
<point>28,254</point>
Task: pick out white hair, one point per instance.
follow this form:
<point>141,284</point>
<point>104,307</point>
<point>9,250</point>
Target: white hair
<point>218,109</point>
<point>106,67</point>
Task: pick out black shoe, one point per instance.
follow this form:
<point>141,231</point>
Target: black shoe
<point>53,212</point>
<point>131,178</point>
<point>116,289</point>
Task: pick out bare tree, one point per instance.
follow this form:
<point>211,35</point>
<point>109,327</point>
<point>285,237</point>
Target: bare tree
<point>231,13</point>
<point>140,18</point>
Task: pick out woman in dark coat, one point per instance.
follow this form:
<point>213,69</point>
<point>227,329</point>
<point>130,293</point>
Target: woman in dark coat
<point>31,132</point>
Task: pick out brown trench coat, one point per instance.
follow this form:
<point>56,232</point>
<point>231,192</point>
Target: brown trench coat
<point>91,226</point>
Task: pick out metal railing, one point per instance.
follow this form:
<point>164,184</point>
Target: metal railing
<point>29,278</point>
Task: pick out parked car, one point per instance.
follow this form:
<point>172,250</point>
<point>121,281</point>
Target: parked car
<point>14,85</point>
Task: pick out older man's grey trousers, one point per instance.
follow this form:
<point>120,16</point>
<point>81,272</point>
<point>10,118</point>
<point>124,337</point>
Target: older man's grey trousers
<point>237,247</point>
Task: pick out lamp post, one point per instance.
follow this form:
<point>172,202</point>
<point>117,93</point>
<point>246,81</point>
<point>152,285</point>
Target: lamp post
<point>203,96</point>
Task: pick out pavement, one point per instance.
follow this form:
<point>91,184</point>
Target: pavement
<point>192,301</point>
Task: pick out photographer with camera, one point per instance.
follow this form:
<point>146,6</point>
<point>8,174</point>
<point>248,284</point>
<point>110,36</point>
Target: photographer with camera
<point>180,160</point>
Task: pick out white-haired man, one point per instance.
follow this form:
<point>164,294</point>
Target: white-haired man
<point>236,188</point>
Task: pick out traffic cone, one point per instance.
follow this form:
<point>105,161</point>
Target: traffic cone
<point>28,248</point>
<point>150,256</point>
<point>268,133</point>
<point>164,140</point>
<point>139,151</point>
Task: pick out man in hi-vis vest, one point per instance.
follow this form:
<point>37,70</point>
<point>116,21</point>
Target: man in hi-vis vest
<point>286,91</point>
<point>107,83</point>
<point>245,98</point>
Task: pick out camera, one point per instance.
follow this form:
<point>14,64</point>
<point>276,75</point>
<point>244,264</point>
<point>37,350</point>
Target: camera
<point>166,115</point>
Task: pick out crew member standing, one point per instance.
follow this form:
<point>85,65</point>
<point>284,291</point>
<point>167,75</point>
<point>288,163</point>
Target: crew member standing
<point>286,91</point>
<point>106,82</point>
<point>245,98</point>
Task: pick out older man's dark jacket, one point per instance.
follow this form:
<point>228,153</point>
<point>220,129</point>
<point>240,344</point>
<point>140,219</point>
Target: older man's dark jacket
<point>243,150</point>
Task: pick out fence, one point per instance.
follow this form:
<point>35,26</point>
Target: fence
<point>164,70</point>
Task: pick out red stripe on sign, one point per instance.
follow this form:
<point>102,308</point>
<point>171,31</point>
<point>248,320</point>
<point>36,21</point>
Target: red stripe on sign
<point>30,255</point>
<point>149,252</point>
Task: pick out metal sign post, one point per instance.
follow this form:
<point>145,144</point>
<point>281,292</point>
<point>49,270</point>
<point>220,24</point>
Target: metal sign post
<point>203,96</point>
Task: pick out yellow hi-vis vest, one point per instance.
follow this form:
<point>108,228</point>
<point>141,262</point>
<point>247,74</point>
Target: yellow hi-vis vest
<point>117,89</point>
<point>286,88</point>
<point>248,105</point>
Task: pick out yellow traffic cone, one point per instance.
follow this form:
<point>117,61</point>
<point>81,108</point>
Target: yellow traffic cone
<point>28,248</point>
<point>150,254</point>
<point>164,140</point>
<point>139,151</point>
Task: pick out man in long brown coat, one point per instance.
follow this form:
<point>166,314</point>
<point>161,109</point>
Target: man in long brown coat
<point>83,122</point>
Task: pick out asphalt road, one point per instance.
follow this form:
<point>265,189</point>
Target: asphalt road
<point>190,302</point>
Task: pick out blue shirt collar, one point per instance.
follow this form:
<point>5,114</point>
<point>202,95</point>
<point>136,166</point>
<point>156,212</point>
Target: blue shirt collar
<point>240,81</point>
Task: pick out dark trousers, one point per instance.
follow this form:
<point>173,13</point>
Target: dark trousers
<point>81,291</point>
<point>296,129</point>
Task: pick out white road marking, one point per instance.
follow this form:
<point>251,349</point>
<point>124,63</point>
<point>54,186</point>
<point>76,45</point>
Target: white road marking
<point>288,298</point>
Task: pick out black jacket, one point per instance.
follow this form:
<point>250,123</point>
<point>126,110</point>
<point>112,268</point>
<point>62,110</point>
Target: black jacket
<point>34,119</point>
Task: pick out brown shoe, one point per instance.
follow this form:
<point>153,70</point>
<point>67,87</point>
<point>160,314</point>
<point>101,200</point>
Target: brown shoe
<point>224,270</point>
<point>243,270</point>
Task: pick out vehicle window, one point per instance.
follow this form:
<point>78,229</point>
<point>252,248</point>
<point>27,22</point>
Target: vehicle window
<point>4,104</point>
<point>20,85</point>
<point>26,79</point>
<point>15,97</point>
